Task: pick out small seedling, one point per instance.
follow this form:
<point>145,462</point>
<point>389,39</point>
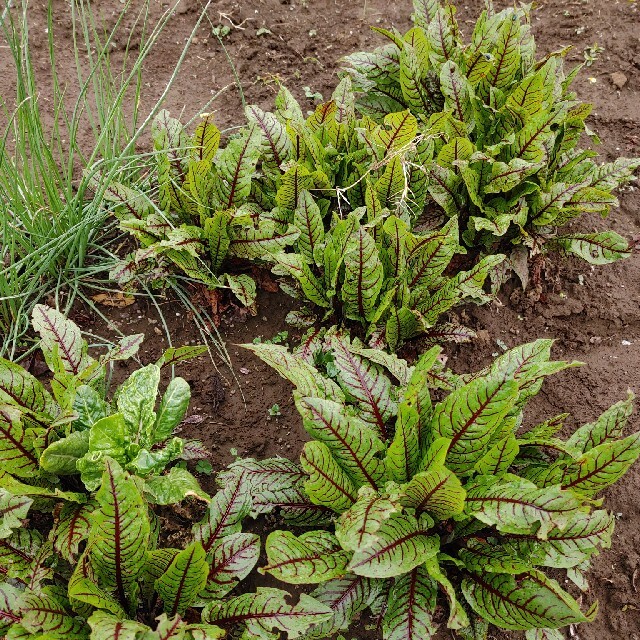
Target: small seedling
<point>275,410</point>
<point>204,466</point>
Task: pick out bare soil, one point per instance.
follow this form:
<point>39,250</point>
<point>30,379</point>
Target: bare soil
<point>594,313</point>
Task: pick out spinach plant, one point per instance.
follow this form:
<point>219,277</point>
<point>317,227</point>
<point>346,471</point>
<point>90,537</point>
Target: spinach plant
<point>429,498</point>
<point>48,438</point>
<point>505,128</point>
<point>103,572</point>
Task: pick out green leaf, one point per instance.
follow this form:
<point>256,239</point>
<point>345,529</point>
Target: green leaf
<point>243,287</point>
<point>363,276</point>
<point>60,458</point>
<point>412,600</point>
<point>596,248</point>
<point>533,601</point>
<point>307,380</point>
<point>13,510</point>
<point>262,612</point>
<point>185,577</point>
<point>234,169</point>
<point>607,427</point>
<point>365,382</point>
<point>9,611</point>
<point>173,355</point>
<point>173,408</point>
<point>261,241</point>
<point>357,528</point>
<point>216,231</point>
<point>60,339</point>
<point>482,557</point>
<point>308,220</point>
<point>276,144</point>
<point>17,453</point>
<point>44,613</point>
<point>470,415</point>
<point>20,389</point>
<point>312,287</point>
<point>71,527</point>
<point>120,531</point>
<point>173,487</point>
<point>89,407</point>
<point>232,558</point>
<point>403,455</point>
<point>226,512</point>
<point>136,399</point>
<point>346,597</point>
<point>311,558</point>
<point>497,460</point>
<point>401,545</point>
<point>437,491</point>
<point>352,443</point>
<point>328,484</point>
<point>569,547</point>
<point>18,554</point>
<point>518,506</point>
<point>506,55</point>
<point>206,139</point>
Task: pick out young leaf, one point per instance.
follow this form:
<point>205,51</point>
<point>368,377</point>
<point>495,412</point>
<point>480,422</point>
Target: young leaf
<point>437,491</point>
<point>173,407</point>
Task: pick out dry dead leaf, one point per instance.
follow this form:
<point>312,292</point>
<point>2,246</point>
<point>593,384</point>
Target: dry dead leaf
<point>116,299</point>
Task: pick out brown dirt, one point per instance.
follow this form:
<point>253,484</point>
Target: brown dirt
<point>593,313</point>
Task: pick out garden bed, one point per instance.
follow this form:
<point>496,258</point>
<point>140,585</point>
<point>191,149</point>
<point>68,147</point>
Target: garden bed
<point>594,313</point>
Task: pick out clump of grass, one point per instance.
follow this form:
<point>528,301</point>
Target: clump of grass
<point>50,220</point>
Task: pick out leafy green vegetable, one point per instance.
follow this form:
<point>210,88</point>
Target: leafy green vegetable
<point>438,496</point>
<point>504,130</point>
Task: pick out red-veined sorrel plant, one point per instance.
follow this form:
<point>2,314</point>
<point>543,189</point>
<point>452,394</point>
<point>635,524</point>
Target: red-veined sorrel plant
<point>505,128</point>
<point>453,496</point>
<point>104,573</point>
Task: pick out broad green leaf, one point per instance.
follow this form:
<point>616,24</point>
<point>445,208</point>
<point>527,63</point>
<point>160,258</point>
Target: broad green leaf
<point>243,287</point>
<point>89,406</point>
<point>412,601</point>
<point>518,506</point>
<point>312,287</point>
<point>119,531</point>
<point>497,460</point>
<point>357,528</point>
<point>173,487</point>
<point>601,466</point>
<point>458,93</point>
<point>437,491</point>
<point>506,55</point>
<point>482,557</point>
<point>17,453</point>
<point>216,232</point>
<point>9,606</point>
<point>267,609</point>
<point>136,399</point>
<point>18,554</point>
<point>234,169</point>
<point>311,558</point>
<point>276,144</point>
<point>206,139</point>
<point>173,408</point>
<point>60,339</point>
<point>20,389</point>
<point>532,601</point>
<point>44,613</point>
<point>403,455</point>
<point>261,241</point>
<point>352,443</point>
<point>232,558</point>
<point>308,220</point>
<point>60,458</point>
<point>183,580</point>
<point>401,545</point>
<point>470,415</point>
